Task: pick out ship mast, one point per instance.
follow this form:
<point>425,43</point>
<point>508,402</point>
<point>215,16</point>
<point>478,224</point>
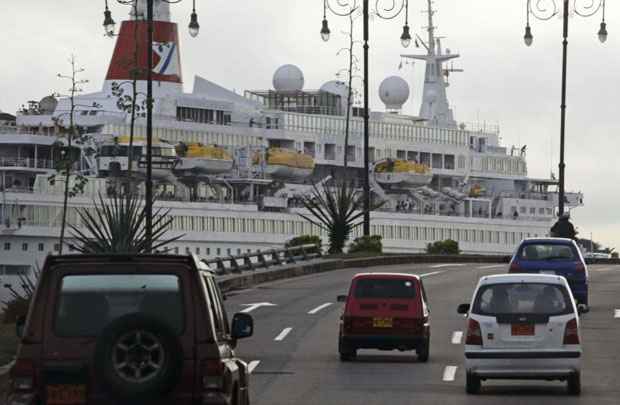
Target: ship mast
<point>435,108</point>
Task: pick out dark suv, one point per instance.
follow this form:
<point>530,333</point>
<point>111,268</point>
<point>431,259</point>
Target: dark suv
<point>119,329</point>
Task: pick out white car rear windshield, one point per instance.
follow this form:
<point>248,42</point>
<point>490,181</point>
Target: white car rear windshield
<point>522,298</point>
<point>547,251</point>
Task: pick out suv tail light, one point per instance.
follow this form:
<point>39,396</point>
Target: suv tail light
<point>579,267</point>
<point>571,333</point>
<point>213,374</point>
<point>23,375</point>
<point>474,334</point>
<point>514,267</point>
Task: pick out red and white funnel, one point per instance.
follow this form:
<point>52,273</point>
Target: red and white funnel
<point>130,52</point>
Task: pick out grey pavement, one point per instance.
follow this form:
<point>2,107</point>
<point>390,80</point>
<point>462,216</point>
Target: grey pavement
<point>295,361</point>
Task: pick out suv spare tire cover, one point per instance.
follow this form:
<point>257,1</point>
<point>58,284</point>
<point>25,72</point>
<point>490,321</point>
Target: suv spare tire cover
<point>167,353</point>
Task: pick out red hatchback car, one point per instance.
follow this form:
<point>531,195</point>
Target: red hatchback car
<point>385,311</point>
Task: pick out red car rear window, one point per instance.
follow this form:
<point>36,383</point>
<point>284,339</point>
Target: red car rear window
<point>385,288</point>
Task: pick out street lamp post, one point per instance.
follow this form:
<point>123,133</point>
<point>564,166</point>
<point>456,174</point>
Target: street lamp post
<point>544,12</point>
<point>109,25</point>
<point>388,11</point>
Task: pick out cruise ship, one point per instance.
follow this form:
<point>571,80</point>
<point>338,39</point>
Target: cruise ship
<point>231,167</point>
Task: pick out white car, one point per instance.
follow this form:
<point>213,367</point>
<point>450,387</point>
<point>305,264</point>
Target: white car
<point>522,326</point>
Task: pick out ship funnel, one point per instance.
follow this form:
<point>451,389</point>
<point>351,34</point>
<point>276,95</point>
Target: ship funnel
<point>130,52</point>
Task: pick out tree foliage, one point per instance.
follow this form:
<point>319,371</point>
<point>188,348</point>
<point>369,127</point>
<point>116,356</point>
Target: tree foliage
<point>304,240</point>
<point>118,225</point>
<point>337,209</point>
<point>443,247</point>
<point>367,244</point>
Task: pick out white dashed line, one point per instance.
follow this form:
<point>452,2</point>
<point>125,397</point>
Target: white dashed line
<point>283,334</point>
<point>449,373</point>
<point>434,273</point>
<point>457,337</point>
<point>439,266</point>
<point>252,365</point>
<point>495,266</point>
<point>320,307</point>
<point>617,313</point>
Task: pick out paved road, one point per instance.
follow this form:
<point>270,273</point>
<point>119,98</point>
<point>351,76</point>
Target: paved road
<point>295,361</point>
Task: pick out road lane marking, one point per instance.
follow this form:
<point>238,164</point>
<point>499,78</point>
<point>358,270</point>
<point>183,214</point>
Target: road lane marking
<point>439,266</point>
<point>495,266</point>
<point>457,337</point>
<point>449,373</point>
<point>252,307</point>
<point>320,307</point>
<point>617,313</point>
<point>252,365</point>
<point>434,273</point>
<point>283,334</point>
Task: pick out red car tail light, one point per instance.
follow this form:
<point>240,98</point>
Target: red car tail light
<point>571,333</point>
<point>474,334</point>
<point>579,267</point>
<point>23,375</point>
<point>213,374</point>
<point>514,267</point>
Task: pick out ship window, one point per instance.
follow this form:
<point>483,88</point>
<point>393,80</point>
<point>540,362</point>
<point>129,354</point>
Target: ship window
<point>401,154</point>
<point>330,151</point>
<point>541,211</point>
<point>176,250</point>
<point>425,158</point>
<point>449,162</point>
<point>7,245</point>
<point>437,161</point>
<point>219,251</point>
<point>208,251</point>
<point>56,247</point>
<point>532,211</point>
<point>197,250</point>
<point>523,210</point>
<point>25,247</point>
<point>188,250</point>
<point>41,247</point>
<point>351,153</point>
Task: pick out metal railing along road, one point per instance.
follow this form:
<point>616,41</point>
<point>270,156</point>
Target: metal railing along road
<point>263,259</point>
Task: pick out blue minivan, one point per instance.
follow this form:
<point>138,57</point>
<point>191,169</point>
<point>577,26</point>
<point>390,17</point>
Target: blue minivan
<point>558,256</point>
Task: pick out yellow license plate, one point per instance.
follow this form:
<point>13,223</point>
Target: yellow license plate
<point>382,322</point>
<point>66,394</point>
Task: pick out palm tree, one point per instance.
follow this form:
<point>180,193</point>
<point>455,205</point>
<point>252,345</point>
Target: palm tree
<point>337,209</point>
<point>117,225</point>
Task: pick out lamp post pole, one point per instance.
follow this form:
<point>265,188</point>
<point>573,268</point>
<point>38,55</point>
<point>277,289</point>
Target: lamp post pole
<point>583,9</point>
<point>149,128</point>
<point>366,124</point>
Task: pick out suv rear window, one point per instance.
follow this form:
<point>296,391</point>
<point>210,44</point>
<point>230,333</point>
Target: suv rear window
<point>547,251</point>
<point>369,288</point>
<point>87,303</point>
<point>522,298</point>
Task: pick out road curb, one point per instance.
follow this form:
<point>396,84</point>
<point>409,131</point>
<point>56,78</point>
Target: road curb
<point>251,278</point>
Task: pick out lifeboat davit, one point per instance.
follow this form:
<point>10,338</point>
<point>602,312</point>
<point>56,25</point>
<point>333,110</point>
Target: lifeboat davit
<point>281,163</point>
<point>402,173</point>
<point>203,159</point>
<point>114,157</point>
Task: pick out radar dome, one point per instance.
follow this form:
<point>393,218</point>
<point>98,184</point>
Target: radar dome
<point>394,92</point>
<point>335,87</point>
<point>288,78</point>
<point>48,105</point>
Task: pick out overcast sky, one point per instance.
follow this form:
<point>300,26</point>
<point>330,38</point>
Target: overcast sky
<point>243,42</point>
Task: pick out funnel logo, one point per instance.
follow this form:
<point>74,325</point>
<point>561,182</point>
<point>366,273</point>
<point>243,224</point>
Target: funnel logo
<point>167,54</point>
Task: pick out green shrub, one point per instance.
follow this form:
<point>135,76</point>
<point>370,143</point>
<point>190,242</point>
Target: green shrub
<point>443,247</point>
<point>304,240</point>
<point>15,308</point>
<point>367,244</point>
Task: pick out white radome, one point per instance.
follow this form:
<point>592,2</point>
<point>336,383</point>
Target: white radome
<point>394,92</point>
<point>288,78</point>
<point>336,87</point>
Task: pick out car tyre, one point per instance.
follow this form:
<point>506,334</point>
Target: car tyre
<point>118,380</point>
<point>574,384</point>
<point>347,353</point>
<point>423,351</point>
<point>472,384</point>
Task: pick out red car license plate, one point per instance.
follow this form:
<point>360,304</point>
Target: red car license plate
<point>382,322</point>
<point>66,394</point>
<point>522,329</point>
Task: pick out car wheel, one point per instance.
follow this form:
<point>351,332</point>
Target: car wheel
<point>423,351</point>
<point>347,353</point>
<point>574,383</point>
<point>138,358</point>
<point>472,384</point>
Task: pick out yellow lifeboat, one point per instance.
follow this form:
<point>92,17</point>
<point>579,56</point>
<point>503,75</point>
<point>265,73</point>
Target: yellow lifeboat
<point>203,159</point>
<point>284,163</point>
<point>402,173</point>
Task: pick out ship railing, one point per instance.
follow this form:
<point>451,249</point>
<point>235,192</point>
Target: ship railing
<point>26,163</point>
<point>263,259</point>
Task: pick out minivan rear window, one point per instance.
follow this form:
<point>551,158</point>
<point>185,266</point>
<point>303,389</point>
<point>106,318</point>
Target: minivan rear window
<point>88,303</point>
<point>522,298</point>
<point>384,288</point>
<point>546,251</point>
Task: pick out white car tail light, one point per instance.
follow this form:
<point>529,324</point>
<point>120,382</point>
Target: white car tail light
<point>474,334</point>
<point>571,333</point>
